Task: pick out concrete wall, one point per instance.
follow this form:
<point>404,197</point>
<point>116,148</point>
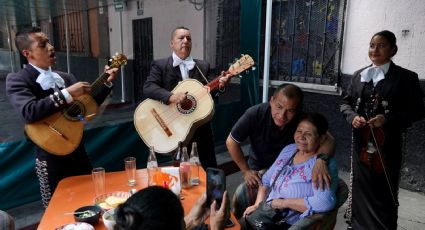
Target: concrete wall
<point>364,18</point>
<point>166,15</point>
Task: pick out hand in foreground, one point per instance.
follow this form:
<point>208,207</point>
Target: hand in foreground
<point>197,214</point>
<point>377,121</point>
<point>320,175</point>
<point>177,97</point>
<point>252,179</point>
<point>358,122</point>
<point>79,89</point>
<point>112,73</point>
<point>218,217</point>
<point>250,210</point>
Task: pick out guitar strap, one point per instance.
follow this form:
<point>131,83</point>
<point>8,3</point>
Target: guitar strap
<point>206,80</point>
<point>220,90</point>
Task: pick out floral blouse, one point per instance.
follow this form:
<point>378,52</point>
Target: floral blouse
<point>295,182</point>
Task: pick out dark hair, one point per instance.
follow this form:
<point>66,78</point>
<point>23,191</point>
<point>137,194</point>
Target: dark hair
<point>390,37</point>
<point>291,91</point>
<point>151,208</point>
<point>22,37</point>
<point>178,28</point>
<point>318,120</point>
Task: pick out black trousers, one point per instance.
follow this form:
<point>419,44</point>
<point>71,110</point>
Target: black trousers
<point>51,169</point>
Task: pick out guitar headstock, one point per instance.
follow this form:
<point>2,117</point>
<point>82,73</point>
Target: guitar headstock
<point>244,63</point>
<point>118,60</point>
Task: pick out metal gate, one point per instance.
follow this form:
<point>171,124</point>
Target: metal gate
<point>306,40</point>
<point>143,54</point>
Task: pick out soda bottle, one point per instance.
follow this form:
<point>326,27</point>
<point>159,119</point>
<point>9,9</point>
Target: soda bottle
<point>177,156</point>
<point>184,169</point>
<point>194,165</point>
<point>152,167</point>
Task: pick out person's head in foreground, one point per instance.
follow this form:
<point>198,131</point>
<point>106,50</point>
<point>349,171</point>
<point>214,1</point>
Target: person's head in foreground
<point>151,208</point>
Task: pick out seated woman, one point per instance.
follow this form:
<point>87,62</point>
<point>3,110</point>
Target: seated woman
<point>289,178</point>
<point>157,208</point>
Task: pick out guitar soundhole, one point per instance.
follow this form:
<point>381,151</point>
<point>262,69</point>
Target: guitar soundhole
<point>188,105</point>
<point>74,110</point>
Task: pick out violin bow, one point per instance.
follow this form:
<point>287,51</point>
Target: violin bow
<point>375,105</point>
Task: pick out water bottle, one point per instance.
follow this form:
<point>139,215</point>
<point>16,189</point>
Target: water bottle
<point>177,156</point>
<point>194,165</point>
<point>184,169</point>
<point>152,167</point>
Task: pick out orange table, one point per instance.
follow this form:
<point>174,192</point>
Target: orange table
<point>74,192</point>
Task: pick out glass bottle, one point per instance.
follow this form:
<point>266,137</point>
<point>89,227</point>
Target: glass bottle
<point>184,169</point>
<point>177,155</point>
<point>194,165</point>
<point>152,167</point>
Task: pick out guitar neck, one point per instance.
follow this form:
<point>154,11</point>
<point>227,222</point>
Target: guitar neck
<point>98,83</point>
<point>236,68</point>
<point>214,84</point>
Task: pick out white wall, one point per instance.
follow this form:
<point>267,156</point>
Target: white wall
<point>366,17</point>
<point>166,15</point>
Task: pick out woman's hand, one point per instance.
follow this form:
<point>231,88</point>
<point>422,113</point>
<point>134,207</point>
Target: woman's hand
<point>377,121</point>
<point>218,217</point>
<point>197,214</point>
<point>358,122</point>
<point>252,178</point>
<point>250,210</point>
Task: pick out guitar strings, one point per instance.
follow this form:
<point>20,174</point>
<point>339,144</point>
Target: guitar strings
<point>74,107</point>
<point>168,117</point>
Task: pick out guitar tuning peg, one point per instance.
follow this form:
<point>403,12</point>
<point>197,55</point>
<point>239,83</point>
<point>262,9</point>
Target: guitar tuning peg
<point>110,59</point>
<point>239,76</point>
<point>253,68</point>
<point>242,55</point>
<point>116,54</point>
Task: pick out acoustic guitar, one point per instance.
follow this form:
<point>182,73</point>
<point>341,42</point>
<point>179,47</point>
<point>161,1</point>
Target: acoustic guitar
<point>164,126</point>
<point>61,133</point>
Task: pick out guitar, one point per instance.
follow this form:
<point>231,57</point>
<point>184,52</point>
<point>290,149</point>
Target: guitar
<point>61,133</point>
<point>164,126</point>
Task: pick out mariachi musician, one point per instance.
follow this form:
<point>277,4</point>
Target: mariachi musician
<point>382,101</point>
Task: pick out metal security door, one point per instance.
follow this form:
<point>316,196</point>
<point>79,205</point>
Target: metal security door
<point>143,54</point>
<point>306,40</point>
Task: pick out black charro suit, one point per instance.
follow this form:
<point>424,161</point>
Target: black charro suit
<point>33,103</point>
<point>162,79</point>
<point>373,206</point>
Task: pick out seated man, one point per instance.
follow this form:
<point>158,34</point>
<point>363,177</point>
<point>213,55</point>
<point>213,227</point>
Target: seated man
<point>292,195</point>
<point>270,127</point>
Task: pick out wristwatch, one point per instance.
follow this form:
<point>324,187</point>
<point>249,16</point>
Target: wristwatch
<point>323,156</point>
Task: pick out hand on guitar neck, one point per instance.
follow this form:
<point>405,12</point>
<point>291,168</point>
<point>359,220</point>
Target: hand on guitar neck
<point>82,87</point>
